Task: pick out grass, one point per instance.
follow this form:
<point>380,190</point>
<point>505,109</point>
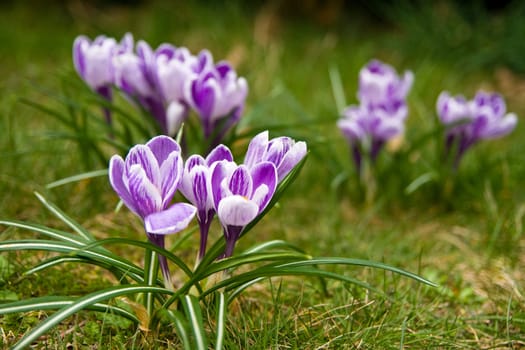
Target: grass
<point>463,231</point>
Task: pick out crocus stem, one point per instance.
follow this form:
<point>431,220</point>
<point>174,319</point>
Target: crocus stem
<point>204,227</point>
<point>168,284</point>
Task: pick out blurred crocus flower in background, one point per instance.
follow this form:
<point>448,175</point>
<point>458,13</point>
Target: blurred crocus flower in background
<point>168,82</point>
<point>468,122</point>
<point>146,182</point>
<point>381,114</point>
<point>196,187</point>
<point>93,61</point>
<point>217,95</point>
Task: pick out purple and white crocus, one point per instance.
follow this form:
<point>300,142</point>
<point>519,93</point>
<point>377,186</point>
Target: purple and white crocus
<point>93,61</point>
<point>241,192</point>
<point>167,82</point>
<point>146,181</point>
<point>468,122</point>
<point>382,111</point>
<point>282,151</point>
<point>196,187</point>
<point>239,195</point>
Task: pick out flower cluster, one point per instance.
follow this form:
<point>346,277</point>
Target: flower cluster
<point>148,178</point>
<point>468,122</point>
<point>167,82</point>
<point>381,113</point>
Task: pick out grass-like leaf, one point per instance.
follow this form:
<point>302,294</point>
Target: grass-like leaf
<point>78,177</point>
<point>193,311</point>
<point>82,232</point>
<point>58,302</point>
<point>122,264</point>
<point>221,320</point>
<point>81,304</point>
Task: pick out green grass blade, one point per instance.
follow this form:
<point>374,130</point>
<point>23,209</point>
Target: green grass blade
<point>240,288</point>
<point>356,262</point>
<point>221,320</point>
<point>193,311</point>
<point>44,230</point>
<point>146,245</point>
<point>270,245</point>
<point>245,280</point>
<point>244,259</point>
<point>58,302</point>
<point>78,177</point>
<point>181,326</point>
<point>80,304</point>
<point>58,260</point>
<point>123,265</point>
<point>65,218</point>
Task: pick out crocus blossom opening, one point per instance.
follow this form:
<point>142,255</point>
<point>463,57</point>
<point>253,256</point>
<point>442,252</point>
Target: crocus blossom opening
<point>468,122</point>
<point>196,187</point>
<point>146,181</point>
<point>381,114</point>
<point>167,82</point>
<point>93,61</point>
<point>239,195</point>
<point>283,152</point>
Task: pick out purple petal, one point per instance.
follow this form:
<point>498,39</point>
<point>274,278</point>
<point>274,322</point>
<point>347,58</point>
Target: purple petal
<point>145,194</point>
<point>162,146</point>
<point>265,174</point>
<point>221,152</point>
<point>171,220</point>
<point>219,172</point>
<point>175,115</point>
<point>291,159</point>
<point>143,156</point>
<point>256,149</point>
<point>78,54</point>
<point>240,182</point>
<point>237,211</point>
<point>116,179</point>
<point>170,177</point>
<point>199,176</point>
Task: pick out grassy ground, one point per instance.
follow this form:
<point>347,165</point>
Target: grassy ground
<point>463,230</point>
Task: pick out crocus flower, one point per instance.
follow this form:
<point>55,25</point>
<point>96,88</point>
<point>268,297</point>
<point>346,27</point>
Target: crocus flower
<point>196,187</point>
<point>94,61</point>
<point>135,76</point>
<point>239,195</point>
<point>216,94</point>
<point>146,182</point>
<point>379,84</point>
<point>283,152</point>
<point>468,122</point>
<point>381,114</point>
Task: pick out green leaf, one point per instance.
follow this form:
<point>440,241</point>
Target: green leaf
<point>193,312</point>
<point>58,302</point>
<point>122,264</point>
<point>356,262</point>
<point>78,177</point>
<point>240,260</point>
<point>146,245</point>
<point>65,218</point>
<point>80,304</point>
<point>181,326</point>
<point>221,320</point>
